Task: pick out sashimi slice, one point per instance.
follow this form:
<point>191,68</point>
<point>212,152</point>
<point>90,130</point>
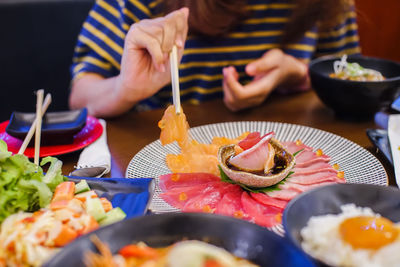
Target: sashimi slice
<point>302,188</point>
<point>252,139</point>
<point>315,178</point>
<point>294,147</point>
<point>204,202</point>
<point>313,168</point>
<point>178,196</point>
<point>307,155</point>
<point>231,205</point>
<point>174,127</point>
<point>283,194</point>
<point>263,215</point>
<point>255,158</point>
<point>267,200</point>
<point>207,199</point>
<point>171,180</point>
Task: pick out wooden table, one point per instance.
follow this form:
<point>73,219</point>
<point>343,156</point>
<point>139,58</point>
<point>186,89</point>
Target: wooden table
<point>129,133</point>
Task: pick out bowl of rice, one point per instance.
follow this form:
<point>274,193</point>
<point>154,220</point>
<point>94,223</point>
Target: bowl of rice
<point>355,87</point>
<point>347,224</point>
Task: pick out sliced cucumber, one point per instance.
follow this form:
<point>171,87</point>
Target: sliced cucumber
<point>81,187</point>
<point>114,215</point>
<point>95,208</point>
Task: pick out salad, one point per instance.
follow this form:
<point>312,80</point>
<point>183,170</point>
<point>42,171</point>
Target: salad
<point>189,253</point>
<point>42,212</point>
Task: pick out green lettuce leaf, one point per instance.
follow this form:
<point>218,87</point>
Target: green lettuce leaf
<point>23,185</point>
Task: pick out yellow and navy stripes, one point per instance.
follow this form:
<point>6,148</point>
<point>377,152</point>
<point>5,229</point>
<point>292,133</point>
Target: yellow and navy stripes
<point>100,45</point>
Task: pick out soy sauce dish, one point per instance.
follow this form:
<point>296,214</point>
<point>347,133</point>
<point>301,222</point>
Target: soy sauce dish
<point>347,224</point>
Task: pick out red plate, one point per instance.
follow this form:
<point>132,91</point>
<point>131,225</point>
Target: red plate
<point>90,133</point>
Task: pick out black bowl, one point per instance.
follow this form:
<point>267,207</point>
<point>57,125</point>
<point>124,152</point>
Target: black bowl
<point>328,200</point>
<point>241,238</point>
<point>354,99</point>
<point>58,128</point>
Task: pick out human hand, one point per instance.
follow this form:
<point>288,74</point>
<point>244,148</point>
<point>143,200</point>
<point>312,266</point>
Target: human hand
<point>274,68</point>
<point>144,68</point>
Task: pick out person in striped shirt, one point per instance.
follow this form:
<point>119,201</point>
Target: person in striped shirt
<point>241,50</point>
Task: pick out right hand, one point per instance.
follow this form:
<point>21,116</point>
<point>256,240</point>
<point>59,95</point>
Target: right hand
<point>144,67</point>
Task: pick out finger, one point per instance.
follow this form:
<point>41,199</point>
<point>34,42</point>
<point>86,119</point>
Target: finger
<point>152,27</point>
<point>169,35</point>
<point>264,85</point>
<point>228,97</point>
<point>143,40</point>
<point>232,81</point>
<point>179,22</point>
<point>183,28</point>
<point>266,63</point>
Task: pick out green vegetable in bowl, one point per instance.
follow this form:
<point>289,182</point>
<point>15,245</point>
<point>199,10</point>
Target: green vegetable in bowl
<point>23,185</point>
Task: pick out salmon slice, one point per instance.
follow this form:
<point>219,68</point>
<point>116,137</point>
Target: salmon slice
<point>194,156</point>
<point>174,127</point>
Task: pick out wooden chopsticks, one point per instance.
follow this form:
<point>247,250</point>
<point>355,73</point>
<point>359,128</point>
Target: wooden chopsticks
<point>41,107</point>
<point>173,60</point>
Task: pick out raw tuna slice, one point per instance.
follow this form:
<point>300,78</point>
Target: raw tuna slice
<point>207,200</point>
<point>284,194</point>
<point>263,215</point>
<point>292,147</point>
<point>257,157</point>
<point>178,196</point>
<point>169,181</point>
<point>314,168</point>
<point>231,205</point>
<point>314,178</point>
<point>267,200</point>
<point>307,156</point>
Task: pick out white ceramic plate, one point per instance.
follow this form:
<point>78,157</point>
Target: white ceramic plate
<point>359,165</point>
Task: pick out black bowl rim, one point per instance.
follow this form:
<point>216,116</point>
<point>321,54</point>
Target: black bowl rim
<point>272,237</point>
<point>326,58</point>
<point>297,198</point>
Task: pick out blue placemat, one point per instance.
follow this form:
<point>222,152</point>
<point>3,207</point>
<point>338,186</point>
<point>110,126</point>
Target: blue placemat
<point>131,195</point>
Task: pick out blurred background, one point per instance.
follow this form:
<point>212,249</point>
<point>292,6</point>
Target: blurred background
<point>38,38</point>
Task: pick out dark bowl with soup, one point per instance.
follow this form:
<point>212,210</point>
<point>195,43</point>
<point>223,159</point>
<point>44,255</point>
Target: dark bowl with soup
<point>355,100</point>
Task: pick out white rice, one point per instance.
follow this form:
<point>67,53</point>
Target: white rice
<point>321,239</point>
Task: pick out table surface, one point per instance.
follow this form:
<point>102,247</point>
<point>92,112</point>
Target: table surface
<point>129,133</point>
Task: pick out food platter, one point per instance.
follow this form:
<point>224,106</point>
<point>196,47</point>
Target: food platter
<point>359,165</point>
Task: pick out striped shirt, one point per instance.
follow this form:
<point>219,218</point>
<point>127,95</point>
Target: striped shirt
<point>101,41</point>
